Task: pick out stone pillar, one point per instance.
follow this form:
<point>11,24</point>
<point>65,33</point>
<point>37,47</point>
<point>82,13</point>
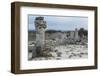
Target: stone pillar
<point>72,34</point>
<point>76,35</point>
<point>40,26</point>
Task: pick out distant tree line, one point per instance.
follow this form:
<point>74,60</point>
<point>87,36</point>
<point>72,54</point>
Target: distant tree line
<point>53,31</point>
<point>82,32</point>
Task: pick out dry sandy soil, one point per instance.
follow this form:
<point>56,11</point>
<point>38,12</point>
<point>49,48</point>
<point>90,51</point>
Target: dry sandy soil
<point>66,52</point>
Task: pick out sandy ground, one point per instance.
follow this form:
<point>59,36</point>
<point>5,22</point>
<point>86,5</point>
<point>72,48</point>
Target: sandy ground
<point>66,52</point>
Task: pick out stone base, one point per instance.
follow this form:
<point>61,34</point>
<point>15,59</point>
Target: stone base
<point>43,52</point>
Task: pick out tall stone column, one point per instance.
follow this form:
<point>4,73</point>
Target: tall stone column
<point>40,26</point>
<point>76,34</point>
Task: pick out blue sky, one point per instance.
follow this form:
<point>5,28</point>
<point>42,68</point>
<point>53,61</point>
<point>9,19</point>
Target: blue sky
<point>60,22</point>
